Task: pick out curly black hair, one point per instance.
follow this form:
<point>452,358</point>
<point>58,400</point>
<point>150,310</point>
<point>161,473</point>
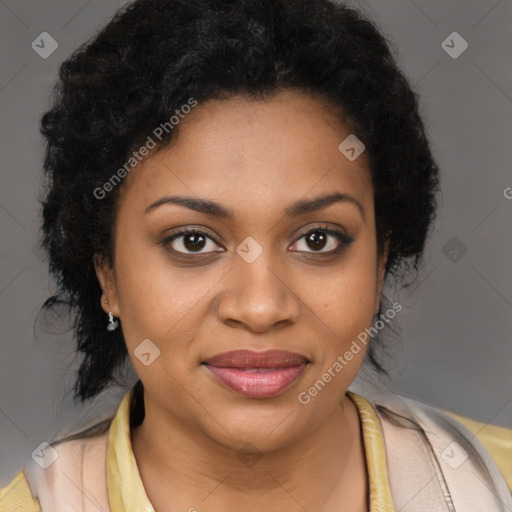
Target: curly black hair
<point>149,60</point>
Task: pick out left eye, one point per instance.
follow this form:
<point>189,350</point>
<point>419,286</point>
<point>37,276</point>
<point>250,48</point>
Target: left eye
<point>319,239</point>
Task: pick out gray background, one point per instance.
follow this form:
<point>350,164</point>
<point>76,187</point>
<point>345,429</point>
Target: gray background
<point>456,322</point>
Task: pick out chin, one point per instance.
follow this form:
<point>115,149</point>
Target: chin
<point>268,427</point>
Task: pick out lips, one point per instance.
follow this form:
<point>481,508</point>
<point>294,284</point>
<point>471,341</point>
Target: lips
<point>257,374</point>
<point>252,359</point>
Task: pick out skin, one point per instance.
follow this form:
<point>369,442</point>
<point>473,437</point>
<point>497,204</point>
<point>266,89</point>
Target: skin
<point>255,157</point>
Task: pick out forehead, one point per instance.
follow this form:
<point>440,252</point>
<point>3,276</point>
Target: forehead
<point>250,153</point>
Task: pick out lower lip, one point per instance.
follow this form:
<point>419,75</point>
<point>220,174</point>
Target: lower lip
<point>260,383</point>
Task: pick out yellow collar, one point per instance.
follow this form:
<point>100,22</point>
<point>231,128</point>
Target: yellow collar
<point>126,491</point>
<point>376,461</point>
<point>124,485</point>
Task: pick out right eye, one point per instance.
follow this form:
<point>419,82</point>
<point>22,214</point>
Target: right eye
<point>191,241</point>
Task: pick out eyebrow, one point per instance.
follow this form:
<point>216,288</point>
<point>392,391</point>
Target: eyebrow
<point>214,209</point>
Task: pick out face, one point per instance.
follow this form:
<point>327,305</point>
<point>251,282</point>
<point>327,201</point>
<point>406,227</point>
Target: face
<point>259,271</point>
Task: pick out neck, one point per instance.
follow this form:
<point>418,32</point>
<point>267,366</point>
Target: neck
<point>183,468</point>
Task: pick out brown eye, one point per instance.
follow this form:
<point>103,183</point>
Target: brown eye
<point>319,239</point>
<point>191,242</point>
<point>316,240</point>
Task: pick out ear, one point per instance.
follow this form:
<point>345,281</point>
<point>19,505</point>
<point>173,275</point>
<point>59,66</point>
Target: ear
<point>381,273</point>
<point>106,278</point>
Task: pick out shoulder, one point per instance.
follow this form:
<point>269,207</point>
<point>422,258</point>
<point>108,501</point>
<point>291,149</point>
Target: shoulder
<point>17,496</point>
<point>497,441</point>
<point>432,456</point>
<point>63,473</point>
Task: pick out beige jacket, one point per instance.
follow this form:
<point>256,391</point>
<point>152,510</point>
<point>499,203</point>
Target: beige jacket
<point>433,464</point>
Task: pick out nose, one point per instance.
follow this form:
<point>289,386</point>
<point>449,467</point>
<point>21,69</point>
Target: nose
<point>258,297</point>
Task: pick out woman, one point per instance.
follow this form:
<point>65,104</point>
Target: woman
<point>230,186</point>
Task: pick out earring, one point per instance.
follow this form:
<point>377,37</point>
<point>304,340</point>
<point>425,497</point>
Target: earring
<point>112,324</point>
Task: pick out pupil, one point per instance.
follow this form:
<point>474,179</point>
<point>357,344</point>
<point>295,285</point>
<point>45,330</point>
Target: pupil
<point>197,240</point>
<point>316,237</point>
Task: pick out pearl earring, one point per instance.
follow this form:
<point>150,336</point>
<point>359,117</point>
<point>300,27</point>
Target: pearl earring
<point>112,324</point>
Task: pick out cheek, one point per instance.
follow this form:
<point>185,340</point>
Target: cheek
<point>161,302</point>
<point>346,305</point>
<point>346,296</point>
<point>151,297</point>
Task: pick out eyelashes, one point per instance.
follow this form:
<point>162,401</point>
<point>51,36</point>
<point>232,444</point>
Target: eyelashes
<point>198,238</point>
<point>183,243</point>
<point>343,241</point>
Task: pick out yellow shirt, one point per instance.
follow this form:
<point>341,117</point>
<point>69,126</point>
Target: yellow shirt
<point>126,491</point>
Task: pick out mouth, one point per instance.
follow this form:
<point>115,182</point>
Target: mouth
<point>257,374</point>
